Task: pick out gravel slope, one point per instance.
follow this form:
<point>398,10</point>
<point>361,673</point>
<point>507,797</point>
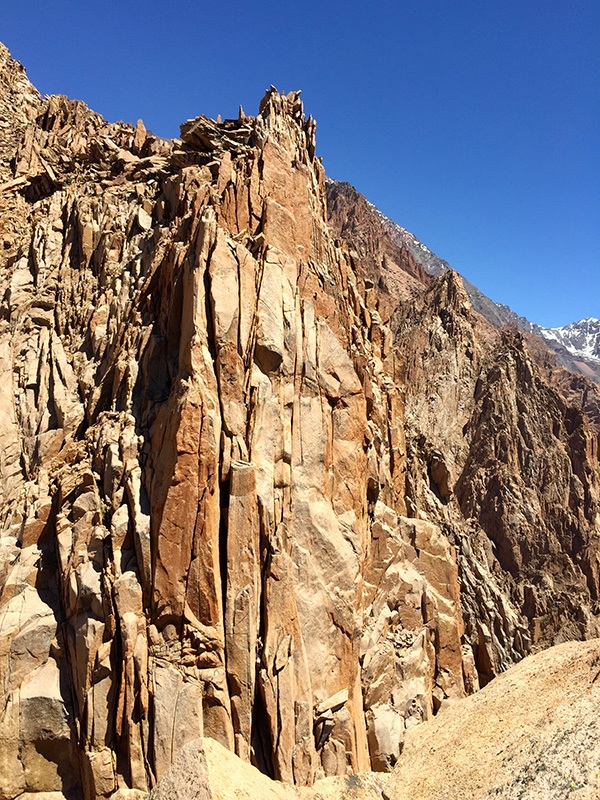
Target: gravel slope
<point>533,733</point>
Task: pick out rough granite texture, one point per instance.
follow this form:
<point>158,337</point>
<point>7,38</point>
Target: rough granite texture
<point>243,493</point>
<point>531,734</point>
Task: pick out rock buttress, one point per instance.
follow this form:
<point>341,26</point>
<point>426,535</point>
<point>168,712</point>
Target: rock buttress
<point>235,486</point>
<point>199,433</point>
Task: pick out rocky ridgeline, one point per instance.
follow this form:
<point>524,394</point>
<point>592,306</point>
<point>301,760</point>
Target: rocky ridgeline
<point>398,257</point>
<point>581,339</point>
<point>244,493</point>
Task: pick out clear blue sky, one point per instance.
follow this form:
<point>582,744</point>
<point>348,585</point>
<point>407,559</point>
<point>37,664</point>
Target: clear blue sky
<point>473,123</point>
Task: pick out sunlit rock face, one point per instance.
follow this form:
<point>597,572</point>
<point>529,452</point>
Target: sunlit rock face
<point>245,493</point>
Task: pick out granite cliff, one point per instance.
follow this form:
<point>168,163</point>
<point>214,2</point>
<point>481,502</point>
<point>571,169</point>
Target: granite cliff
<point>256,484</point>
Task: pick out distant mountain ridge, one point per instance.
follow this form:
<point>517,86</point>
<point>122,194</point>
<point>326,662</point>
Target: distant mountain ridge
<point>581,338</point>
<point>496,313</point>
<point>576,346</point>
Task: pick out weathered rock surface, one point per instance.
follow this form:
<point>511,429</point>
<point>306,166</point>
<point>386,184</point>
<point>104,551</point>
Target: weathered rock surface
<point>218,774</point>
<point>188,777</point>
<point>492,450</point>
<point>532,733</point>
<point>205,770</point>
<point>244,494</point>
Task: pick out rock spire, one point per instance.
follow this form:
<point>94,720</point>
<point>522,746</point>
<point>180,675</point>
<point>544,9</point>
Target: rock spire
<point>242,495</point>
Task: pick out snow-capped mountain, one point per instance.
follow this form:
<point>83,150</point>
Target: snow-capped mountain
<point>576,346</point>
<point>581,339</point>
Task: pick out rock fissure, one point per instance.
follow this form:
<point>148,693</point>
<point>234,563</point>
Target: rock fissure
<point>301,495</point>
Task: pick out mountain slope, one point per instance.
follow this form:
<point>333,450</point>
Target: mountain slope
<point>256,483</point>
<point>581,339</point>
<point>531,735</point>
<point>576,346</point>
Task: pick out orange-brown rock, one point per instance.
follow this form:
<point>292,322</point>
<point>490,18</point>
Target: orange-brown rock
<point>389,269</point>
<point>244,493</point>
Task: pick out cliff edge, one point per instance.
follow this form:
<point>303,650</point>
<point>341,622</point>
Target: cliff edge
<point>243,495</point>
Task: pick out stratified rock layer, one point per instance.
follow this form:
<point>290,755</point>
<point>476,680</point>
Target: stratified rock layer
<point>239,497</point>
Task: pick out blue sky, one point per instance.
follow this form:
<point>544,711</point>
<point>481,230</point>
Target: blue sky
<point>473,123</point>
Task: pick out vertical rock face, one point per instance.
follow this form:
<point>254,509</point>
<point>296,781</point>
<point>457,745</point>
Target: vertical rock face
<point>501,459</point>
<point>239,497</point>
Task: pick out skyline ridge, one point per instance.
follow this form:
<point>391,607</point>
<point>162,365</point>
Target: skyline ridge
<point>474,127</point>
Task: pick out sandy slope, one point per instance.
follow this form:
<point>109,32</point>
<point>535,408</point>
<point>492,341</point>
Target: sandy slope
<point>534,732</point>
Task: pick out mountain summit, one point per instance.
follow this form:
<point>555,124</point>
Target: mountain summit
<point>581,339</point>
<point>263,478</point>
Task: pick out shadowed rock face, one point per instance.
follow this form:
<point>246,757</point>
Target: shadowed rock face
<point>513,476</point>
<point>241,497</point>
